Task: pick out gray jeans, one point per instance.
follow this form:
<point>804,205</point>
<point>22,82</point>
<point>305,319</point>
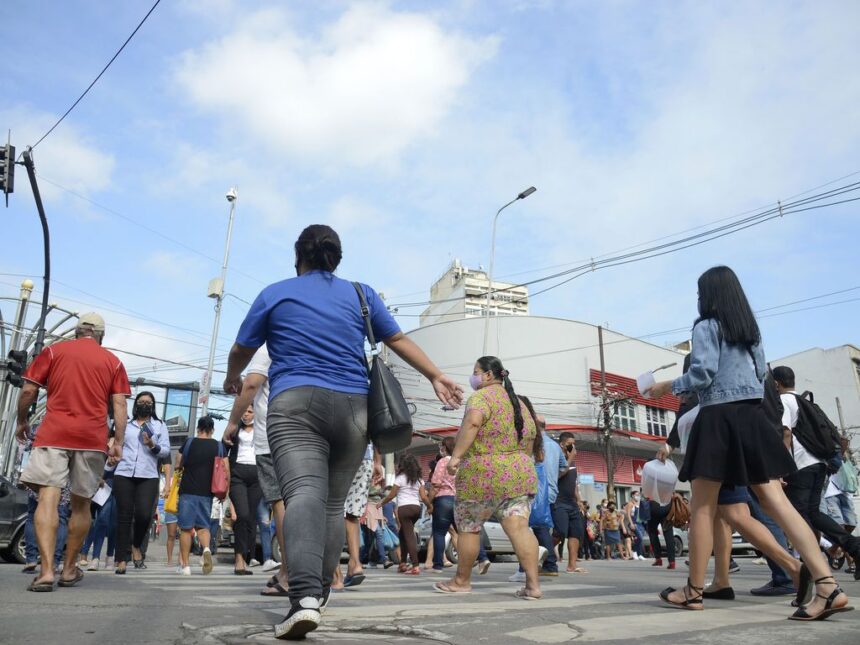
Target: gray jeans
<point>318,438</point>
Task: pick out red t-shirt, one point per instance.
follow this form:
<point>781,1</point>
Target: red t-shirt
<point>80,377</point>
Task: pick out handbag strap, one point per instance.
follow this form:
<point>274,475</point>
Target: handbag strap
<point>365,314</point>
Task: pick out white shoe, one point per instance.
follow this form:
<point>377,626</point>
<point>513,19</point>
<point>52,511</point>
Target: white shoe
<point>184,571</point>
<point>270,565</point>
<point>94,565</point>
<point>759,561</point>
<point>542,553</point>
<point>519,576</point>
<point>640,557</point>
<point>207,562</point>
<point>254,563</point>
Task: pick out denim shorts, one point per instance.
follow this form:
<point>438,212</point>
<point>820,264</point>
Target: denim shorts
<point>194,511</point>
<point>733,495</point>
<point>169,518</point>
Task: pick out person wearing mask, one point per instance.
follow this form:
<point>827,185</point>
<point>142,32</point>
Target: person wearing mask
<point>496,475</point>
<point>409,491</point>
<point>197,461</point>
<point>82,380</point>
<point>567,515</point>
<point>136,479</point>
<point>444,490</point>
<point>245,494</point>
<point>314,330</point>
<point>733,442</point>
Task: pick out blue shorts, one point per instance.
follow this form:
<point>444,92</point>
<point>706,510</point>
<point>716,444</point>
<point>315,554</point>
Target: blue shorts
<point>194,511</point>
<point>733,495</point>
<point>169,518</point>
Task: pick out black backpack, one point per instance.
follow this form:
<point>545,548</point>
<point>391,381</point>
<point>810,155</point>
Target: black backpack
<point>814,430</point>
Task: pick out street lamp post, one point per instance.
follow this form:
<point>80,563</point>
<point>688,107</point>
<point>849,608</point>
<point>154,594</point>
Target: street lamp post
<point>522,195</point>
<point>216,290</point>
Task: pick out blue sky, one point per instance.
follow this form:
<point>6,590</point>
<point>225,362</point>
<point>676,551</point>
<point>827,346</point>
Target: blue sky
<point>406,127</point>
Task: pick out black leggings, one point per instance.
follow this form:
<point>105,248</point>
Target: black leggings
<point>408,515</point>
<point>135,499</point>
<point>245,496</point>
<point>658,515</point>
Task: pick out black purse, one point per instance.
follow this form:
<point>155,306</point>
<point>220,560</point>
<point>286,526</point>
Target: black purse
<point>389,422</point>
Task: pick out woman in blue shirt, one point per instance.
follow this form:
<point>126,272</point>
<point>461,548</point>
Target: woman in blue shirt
<point>317,420</point>
<point>136,479</point>
<point>733,442</point>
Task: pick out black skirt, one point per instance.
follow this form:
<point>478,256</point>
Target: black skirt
<point>735,443</point>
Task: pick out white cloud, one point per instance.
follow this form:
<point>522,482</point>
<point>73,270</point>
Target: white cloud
<point>174,267</point>
<point>66,157</point>
<point>361,91</point>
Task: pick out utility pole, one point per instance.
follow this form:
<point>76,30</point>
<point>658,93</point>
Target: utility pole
<point>606,431</point>
<point>216,290</point>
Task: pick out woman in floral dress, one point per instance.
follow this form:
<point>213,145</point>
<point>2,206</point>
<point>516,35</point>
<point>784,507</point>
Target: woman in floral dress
<point>492,460</point>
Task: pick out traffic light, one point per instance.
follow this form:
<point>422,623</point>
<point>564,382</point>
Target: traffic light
<point>7,170</point>
<point>15,367</point>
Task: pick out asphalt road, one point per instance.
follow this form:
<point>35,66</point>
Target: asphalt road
<point>616,602</point>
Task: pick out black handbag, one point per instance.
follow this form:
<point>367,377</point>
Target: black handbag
<point>389,422</point>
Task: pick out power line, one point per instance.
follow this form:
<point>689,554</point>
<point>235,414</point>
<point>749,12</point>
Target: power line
<point>95,80</point>
<point>655,251</point>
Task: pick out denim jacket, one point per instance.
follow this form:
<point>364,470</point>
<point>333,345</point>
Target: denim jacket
<point>721,372</point>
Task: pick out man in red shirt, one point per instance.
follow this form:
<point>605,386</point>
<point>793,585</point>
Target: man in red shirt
<point>82,379</point>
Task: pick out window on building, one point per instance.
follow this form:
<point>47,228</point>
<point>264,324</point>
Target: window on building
<point>656,420</point>
<point>625,416</point>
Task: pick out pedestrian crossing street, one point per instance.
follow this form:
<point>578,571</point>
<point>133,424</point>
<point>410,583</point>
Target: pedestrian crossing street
<point>614,601</point>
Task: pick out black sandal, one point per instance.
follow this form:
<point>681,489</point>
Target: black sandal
<point>690,601</point>
<point>804,587</point>
<point>829,609</point>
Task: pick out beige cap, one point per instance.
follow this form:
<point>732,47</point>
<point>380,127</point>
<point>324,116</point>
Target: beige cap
<point>93,320</point>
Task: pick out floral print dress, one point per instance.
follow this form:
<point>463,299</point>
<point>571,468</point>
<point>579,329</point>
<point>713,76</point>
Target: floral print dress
<point>497,467</point>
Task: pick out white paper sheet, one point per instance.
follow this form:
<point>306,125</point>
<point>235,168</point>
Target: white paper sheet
<point>102,495</point>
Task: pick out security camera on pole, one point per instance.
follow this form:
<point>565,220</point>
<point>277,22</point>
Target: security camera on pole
<point>216,290</point>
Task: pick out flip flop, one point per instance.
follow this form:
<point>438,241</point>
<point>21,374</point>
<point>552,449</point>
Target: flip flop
<point>443,587</point>
<point>30,568</point>
<point>522,594</point>
<point>79,575</point>
<point>353,581</point>
<point>577,570</point>
<point>278,590</point>
<point>271,582</point>
<point>40,586</point>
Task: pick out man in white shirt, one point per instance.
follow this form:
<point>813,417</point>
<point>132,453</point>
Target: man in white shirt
<point>255,389</point>
<point>807,484</point>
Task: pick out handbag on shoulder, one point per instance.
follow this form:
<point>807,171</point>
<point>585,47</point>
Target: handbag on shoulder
<point>220,481</point>
<point>389,422</point>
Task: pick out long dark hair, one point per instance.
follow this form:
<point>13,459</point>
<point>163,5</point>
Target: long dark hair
<point>318,248</point>
<point>154,415</point>
<point>494,366</point>
<point>537,449</point>
<point>722,298</point>
<point>408,465</point>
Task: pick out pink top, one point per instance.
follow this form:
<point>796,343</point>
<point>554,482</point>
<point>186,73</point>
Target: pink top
<point>441,480</point>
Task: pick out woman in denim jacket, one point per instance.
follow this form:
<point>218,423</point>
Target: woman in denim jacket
<point>733,443</point>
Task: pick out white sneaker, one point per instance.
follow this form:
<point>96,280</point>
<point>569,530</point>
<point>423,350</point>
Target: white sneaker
<point>270,565</point>
<point>519,576</point>
<point>94,565</point>
<point>207,562</point>
<point>254,563</point>
<point>640,557</point>
<point>542,553</point>
<point>759,561</point>
<point>184,571</point>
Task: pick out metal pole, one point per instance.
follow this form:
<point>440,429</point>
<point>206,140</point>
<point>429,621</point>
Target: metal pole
<point>207,387</point>
<point>841,418</point>
<point>607,424</point>
<point>490,278</point>
<point>46,240</point>
<point>9,401</point>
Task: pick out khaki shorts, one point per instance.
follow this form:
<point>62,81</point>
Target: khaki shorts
<point>56,467</point>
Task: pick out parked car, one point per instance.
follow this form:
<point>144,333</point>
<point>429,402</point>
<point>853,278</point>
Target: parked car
<point>493,538</point>
<point>681,541</point>
<point>13,515</point>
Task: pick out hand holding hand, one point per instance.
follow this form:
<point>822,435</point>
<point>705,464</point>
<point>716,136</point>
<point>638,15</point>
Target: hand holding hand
<point>115,454</point>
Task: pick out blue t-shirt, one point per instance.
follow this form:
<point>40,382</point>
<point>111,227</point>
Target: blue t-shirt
<point>314,331</point>
<point>553,462</point>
